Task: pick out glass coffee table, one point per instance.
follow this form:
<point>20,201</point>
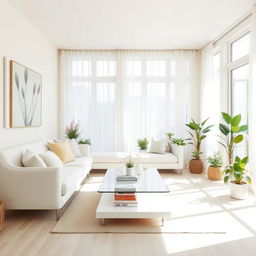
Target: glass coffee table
<point>147,188</point>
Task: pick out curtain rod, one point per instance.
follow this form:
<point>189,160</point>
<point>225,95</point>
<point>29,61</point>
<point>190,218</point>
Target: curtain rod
<point>232,28</point>
<point>112,50</point>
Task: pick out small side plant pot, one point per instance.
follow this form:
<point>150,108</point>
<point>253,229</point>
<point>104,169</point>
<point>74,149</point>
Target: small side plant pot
<point>130,171</point>
<point>196,166</point>
<point>214,173</point>
<point>85,149</point>
<point>142,150</point>
<point>238,191</point>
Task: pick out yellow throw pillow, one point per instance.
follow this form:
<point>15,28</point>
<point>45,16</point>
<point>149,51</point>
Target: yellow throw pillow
<point>62,150</point>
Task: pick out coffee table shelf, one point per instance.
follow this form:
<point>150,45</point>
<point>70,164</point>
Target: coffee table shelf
<point>149,192</point>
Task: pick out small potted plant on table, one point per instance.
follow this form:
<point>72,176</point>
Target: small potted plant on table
<point>143,144</point>
<point>215,162</point>
<point>130,164</point>
<point>240,179</point>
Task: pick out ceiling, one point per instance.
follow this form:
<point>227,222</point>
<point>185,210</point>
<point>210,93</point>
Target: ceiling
<point>132,24</point>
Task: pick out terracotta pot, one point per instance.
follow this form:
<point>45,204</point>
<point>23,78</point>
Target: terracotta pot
<point>196,166</point>
<point>214,173</point>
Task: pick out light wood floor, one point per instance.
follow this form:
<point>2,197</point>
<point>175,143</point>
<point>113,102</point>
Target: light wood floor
<point>27,233</point>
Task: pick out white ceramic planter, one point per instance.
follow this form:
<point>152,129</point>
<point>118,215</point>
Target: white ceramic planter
<point>85,149</point>
<point>238,191</point>
<point>130,171</point>
<point>143,150</point>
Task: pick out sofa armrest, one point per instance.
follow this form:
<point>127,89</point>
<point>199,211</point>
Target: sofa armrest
<point>31,187</point>
<point>178,151</point>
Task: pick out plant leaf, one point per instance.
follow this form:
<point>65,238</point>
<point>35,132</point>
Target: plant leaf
<point>238,138</point>
<point>248,179</point>
<point>226,117</point>
<point>243,128</point>
<point>236,120</point>
<point>245,160</point>
<point>224,129</point>
<point>235,128</point>
<point>203,123</point>
<point>226,179</point>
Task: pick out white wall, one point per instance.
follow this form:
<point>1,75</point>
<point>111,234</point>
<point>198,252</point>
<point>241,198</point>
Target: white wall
<point>21,41</point>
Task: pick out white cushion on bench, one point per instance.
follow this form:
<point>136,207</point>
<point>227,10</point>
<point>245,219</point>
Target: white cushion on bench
<point>158,158</point>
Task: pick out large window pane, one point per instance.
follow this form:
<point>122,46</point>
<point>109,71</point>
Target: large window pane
<point>81,68</point>
<point>239,102</point>
<point>106,68</point>
<point>156,68</point>
<point>240,47</point>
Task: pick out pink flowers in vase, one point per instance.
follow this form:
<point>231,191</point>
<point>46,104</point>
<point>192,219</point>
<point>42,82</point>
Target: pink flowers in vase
<point>73,130</point>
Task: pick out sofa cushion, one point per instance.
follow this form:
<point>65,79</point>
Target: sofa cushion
<point>51,159</point>
<point>31,159</point>
<point>158,158</point>
<point>70,177</point>
<point>82,162</point>
<point>62,150</point>
<point>108,157</point>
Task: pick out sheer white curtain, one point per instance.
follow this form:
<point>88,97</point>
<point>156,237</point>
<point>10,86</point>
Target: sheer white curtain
<point>120,96</point>
<point>210,96</point>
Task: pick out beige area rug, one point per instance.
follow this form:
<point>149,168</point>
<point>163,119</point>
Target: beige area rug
<point>198,206</point>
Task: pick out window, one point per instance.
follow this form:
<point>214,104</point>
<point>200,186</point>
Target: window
<point>239,75</point>
<point>240,47</point>
<point>121,96</point>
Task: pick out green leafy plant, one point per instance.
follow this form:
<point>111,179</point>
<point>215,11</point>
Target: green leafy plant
<point>85,141</point>
<point>172,140</point>
<point>72,131</point>
<point>198,134</point>
<point>130,161</point>
<point>237,171</point>
<point>232,132</point>
<point>178,141</point>
<point>143,143</point>
<point>215,160</point>
<point>196,155</point>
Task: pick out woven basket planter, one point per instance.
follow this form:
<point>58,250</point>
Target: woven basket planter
<point>214,173</point>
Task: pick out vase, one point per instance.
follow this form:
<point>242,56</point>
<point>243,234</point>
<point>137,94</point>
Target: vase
<point>196,166</point>
<point>214,173</point>
<point>130,171</point>
<point>238,191</point>
<point>84,149</point>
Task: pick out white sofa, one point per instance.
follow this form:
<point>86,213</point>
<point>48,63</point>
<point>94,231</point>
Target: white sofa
<point>38,188</point>
<point>172,160</point>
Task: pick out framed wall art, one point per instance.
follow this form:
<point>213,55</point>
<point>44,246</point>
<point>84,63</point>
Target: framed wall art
<point>25,96</point>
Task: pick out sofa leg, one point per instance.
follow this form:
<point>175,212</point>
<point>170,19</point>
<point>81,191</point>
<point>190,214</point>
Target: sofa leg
<point>58,214</point>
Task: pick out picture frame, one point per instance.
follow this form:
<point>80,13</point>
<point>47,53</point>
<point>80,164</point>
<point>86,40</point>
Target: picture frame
<point>25,96</point>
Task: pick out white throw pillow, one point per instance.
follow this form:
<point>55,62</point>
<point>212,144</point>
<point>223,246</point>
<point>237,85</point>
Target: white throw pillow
<point>74,148</point>
<point>158,146</point>
<point>51,159</point>
<point>31,159</point>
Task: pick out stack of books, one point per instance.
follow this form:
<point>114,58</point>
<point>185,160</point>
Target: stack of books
<point>125,199</point>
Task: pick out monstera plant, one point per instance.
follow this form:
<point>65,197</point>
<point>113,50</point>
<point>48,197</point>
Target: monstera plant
<point>232,131</point>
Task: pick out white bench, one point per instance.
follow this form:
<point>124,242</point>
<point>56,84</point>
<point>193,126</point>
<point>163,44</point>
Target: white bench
<point>173,160</point>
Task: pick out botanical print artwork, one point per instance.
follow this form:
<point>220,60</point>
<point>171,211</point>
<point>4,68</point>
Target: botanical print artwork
<point>26,96</point>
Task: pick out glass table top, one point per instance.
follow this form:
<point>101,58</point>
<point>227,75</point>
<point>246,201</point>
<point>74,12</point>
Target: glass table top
<point>149,181</point>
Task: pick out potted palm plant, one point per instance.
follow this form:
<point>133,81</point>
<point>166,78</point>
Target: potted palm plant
<point>239,178</point>
<point>231,130</point>
<point>198,134</point>
<point>143,144</point>
<point>215,162</point>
